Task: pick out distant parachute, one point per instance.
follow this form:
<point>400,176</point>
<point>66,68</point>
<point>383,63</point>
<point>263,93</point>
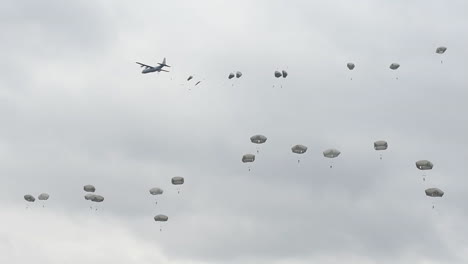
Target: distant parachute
<point>441,50</point>
<point>238,74</point>
<point>89,196</point>
<point>156,191</point>
<point>380,145</point>
<point>89,188</point>
<point>277,74</point>
<point>434,192</point>
<point>424,165</point>
<point>248,158</point>
<point>197,83</point>
<point>258,139</point>
<point>43,196</point>
<point>285,74</point>
<point>299,149</point>
<point>161,218</point>
<point>331,153</point>
<point>29,198</point>
<point>177,181</point>
<point>394,66</point>
<point>231,75</point>
<point>350,65</point>
<point>190,78</point>
<point>97,198</point>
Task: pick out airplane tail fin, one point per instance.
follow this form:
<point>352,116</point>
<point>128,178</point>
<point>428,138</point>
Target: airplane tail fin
<point>164,63</point>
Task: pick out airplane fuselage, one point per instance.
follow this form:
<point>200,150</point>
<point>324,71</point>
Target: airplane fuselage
<point>152,69</point>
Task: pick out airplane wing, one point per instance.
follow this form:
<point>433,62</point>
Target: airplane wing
<point>163,70</point>
<point>144,65</point>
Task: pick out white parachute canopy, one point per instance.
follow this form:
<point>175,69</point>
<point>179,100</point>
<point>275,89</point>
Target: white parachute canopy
<point>331,153</point>
<point>434,192</point>
<point>350,65</point>
<point>156,191</point>
<point>394,66</point>
<point>29,198</point>
<point>277,74</point>
<point>89,188</point>
<point>424,165</point>
<point>248,158</point>
<point>161,218</point>
<point>380,145</point>
<point>43,196</point>
<point>441,50</point>
<point>258,139</point>
<point>285,74</point>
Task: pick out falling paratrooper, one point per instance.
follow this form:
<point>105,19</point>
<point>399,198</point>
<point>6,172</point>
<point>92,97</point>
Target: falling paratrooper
<point>350,66</point>
<point>178,181</point>
<point>258,139</point>
<point>247,158</point>
<point>156,191</point>
<point>331,154</point>
<point>299,149</point>
<point>161,218</point>
<point>434,192</point>
<point>380,145</point>
<point>441,50</point>
<point>424,165</point>
<point>43,197</point>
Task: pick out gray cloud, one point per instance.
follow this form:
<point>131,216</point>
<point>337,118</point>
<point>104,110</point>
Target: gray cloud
<point>82,113</point>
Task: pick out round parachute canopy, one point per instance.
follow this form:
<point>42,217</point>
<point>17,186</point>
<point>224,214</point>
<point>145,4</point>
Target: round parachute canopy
<point>231,75</point>
<point>29,198</point>
<point>89,188</point>
<point>43,196</point>
<point>350,65</point>
<point>156,191</point>
<point>248,158</point>
<point>380,145</point>
<point>331,153</point>
<point>238,74</point>
<point>178,180</point>
<point>434,192</point>
<point>394,66</point>
<point>277,74</point>
<point>161,218</point>
<point>258,139</point>
<point>441,50</point>
<point>89,196</point>
<point>285,74</point>
<point>97,198</point>
<point>190,78</point>
<point>424,165</point>
<point>299,149</point>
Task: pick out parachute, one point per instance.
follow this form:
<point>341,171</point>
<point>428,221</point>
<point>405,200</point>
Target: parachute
<point>285,74</point>
<point>177,181</point>
<point>97,198</point>
<point>331,153</point>
<point>231,75</point>
<point>277,74</point>
<point>161,218</point>
<point>299,149</point>
<point>350,65</point>
<point>238,74</point>
<point>43,196</point>
<point>248,158</point>
<point>380,145</point>
<point>156,191</point>
<point>89,188</point>
<point>394,66</point>
<point>434,192</point>
<point>258,139</point>
<point>441,50</point>
<point>190,78</point>
<point>424,165</point>
<point>29,198</point>
<point>89,196</point>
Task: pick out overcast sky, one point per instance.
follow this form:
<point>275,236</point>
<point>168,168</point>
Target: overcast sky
<point>75,109</point>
